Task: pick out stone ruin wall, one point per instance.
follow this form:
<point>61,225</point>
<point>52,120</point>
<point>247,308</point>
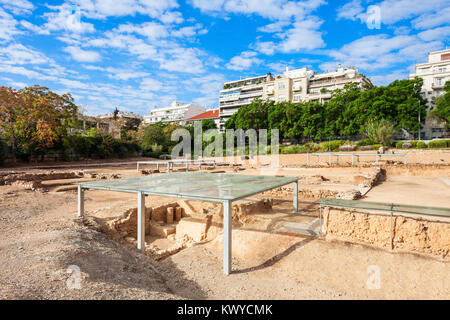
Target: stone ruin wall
<point>409,234</point>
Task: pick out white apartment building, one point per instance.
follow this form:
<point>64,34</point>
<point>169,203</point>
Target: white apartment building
<point>299,85</point>
<point>177,112</point>
<point>239,93</point>
<point>434,73</point>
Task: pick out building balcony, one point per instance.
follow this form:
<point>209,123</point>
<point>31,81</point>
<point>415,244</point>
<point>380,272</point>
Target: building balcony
<point>251,94</point>
<point>320,83</point>
<point>438,85</point>
<point>235,103</point>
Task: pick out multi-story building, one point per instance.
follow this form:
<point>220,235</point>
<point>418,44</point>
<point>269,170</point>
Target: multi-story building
<point>239,93</point>
<point>299,85</point>
<point>177,112</point>
<point>434,73</point>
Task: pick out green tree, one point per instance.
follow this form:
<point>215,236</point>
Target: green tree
<point>153,134</point>
<point>208,124</point>
<point>34,119</point>
<point>381,131</point>
<point>442,109</point>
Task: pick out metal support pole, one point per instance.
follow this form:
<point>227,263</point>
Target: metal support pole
<point>376,157</point>
<point>187,166</point>
<point>337,159</point>
<point>138,167</point>
<point>330,159</point>
<point>200,165</point>
<point>157,166</point>
<point>168,166</point>
<point>307,159</point>
<point>392,240</point>
<point>404,159</point>
<point>80,201</point>
<point>320,218</point>
<point>295,196</point>
<point>317,159</point>
<point>353,159</point>
<point>141,222</point>
<point>227,237</point>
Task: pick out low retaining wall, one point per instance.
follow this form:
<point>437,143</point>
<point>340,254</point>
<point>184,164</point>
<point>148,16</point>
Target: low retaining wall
<point>411,234</point>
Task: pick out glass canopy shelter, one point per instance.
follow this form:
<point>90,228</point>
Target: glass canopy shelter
<point>214,187</point>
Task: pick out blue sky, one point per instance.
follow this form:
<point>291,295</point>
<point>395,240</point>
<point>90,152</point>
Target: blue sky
<point>142,54</point>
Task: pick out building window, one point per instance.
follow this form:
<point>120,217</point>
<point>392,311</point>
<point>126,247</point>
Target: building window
<point>281,97</point>
<point>281,85</point>
<point>297,97</point>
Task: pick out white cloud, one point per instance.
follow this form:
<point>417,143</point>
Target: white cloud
<point>181,60</point>
<point>275,26</point>
<point>18,7</point>
<point>67,18</point>
<point>380,52</point>
<point>270,9</point>
<point>100,9</point>
<point>351,10</point>
<point>244,61</point>
<point>435,34</point>
<point>151,30</point>
<point>36,29</point>
<point>82,55</point>
<point>303,36</point>
<point>149,84</point>
<point>171,17</point>
<point>385,79</point>
<point>208,86</point>
<point>19,54</point>
<point>396,10</point>
<point>434,19</point>
<point>118,73</point>
<point>266,47</point>
<point>7,26</point>
<point>427,14</point>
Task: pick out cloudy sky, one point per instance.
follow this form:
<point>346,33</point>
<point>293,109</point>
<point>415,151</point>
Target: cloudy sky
<point>141,54</point>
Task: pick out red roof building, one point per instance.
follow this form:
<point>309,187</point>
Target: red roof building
<point>210,114</point>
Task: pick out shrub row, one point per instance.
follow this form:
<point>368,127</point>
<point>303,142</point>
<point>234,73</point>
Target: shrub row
<point>434,144</point>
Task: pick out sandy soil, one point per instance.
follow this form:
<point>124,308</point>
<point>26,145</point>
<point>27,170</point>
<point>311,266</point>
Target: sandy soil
<point>40,237</point>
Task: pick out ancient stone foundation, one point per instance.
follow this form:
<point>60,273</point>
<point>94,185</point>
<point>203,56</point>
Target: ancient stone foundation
<point>409,234</point>
<point>184,222</point>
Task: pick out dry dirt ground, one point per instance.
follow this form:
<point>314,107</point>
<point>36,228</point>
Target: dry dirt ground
<point>41,239</point>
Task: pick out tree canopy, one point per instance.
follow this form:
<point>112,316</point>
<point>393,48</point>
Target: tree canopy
<point>345,114</point>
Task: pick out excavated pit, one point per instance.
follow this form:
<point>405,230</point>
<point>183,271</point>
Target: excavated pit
<point>176,225</point>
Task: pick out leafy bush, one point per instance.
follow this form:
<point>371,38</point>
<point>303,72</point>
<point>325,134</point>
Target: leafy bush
<point>3,152</point>
<point>331,145</point>
<point>438,144</point>
<point>421,145</point>
<point>365,142</point>
<point>399,144</point>
<point>381,131</point>
<point>376,146</point>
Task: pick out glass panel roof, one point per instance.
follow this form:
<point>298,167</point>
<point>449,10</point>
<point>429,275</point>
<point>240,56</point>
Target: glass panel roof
<point>422,210</point>
<point>194,185</point>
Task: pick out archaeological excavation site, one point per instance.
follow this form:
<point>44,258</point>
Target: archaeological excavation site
<point>220,230</point>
